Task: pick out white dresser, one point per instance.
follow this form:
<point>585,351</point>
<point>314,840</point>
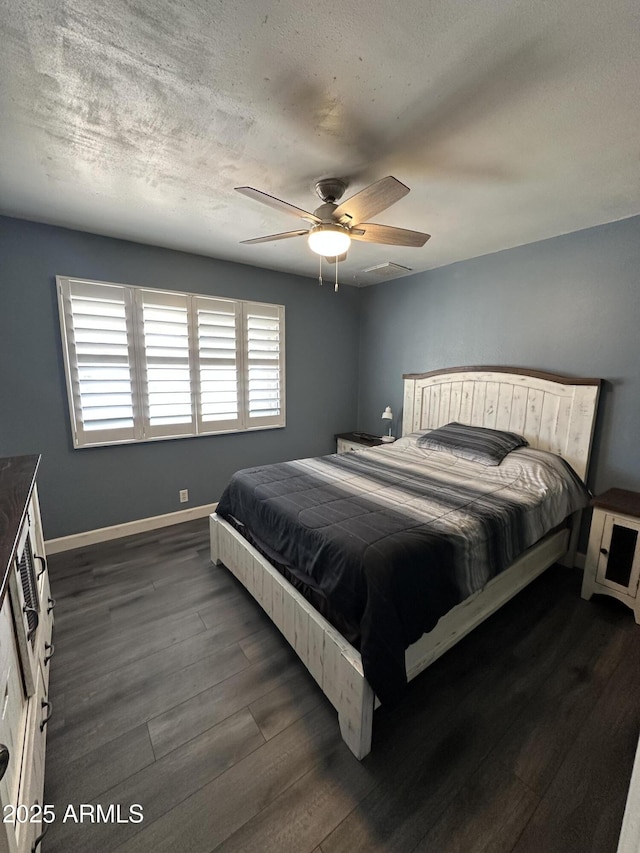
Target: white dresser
<point>26,622</point>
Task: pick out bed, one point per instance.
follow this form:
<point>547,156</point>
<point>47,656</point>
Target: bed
<point>553,413</point>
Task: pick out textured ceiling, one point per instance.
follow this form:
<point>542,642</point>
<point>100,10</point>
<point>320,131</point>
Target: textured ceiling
<point>511,121</point>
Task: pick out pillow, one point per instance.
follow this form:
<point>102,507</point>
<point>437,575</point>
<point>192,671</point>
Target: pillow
<point>477,444</point>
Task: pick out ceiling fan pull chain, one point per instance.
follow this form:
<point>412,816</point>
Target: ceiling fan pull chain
<point>336,287</point>
<point>320,276</point>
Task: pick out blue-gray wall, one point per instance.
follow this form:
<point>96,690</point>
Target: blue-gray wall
<point>567,305</point>
<point>85,489</point>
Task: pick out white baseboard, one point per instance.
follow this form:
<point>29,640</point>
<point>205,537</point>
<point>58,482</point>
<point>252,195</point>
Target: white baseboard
<point>116,531</point>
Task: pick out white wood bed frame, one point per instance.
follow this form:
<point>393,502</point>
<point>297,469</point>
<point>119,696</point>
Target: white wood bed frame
<point>554,413</point>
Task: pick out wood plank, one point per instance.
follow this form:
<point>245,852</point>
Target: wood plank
<point>163,784</point>
<point>277,604</point>
<point>537,741</point>
<point>108,713</point>
<point>505,406</point>
<point>79,662</point>
<point>491,402</point>
<point>535,399</point>
<point>265,643</point>
<point>301,634</point>
<point>94,619</point>
<point>581,428</point>
<point>409,413</point>
<point>456,401</point>
<point>488,813</point>
<point>131,677</point>
<point>558,441</point>
<point>286,703</point>
<point>233,605</point>
<point>549,421</point>
<point>316,651</point>
<point>583,806</point>
<point>189,596</point>
<point>444,415</point>
<point>477,410</point>
<point>328,792</point>
<point>518,420</point>
<point>98,770</point>
<point>331,673</point>
<point>183,720</point>
<point>434,407</point>
<point>466,405</point>
<point>206,818</point>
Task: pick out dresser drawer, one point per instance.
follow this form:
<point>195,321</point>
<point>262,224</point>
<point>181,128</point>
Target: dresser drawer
<point>13,707</point>
<point>31,795</point>
<point>345,446</point>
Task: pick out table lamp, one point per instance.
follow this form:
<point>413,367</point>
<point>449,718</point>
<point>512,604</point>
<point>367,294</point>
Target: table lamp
<point>387,415</point>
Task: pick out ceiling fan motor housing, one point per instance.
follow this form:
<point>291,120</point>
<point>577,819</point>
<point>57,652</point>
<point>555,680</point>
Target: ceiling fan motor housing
<point>325,211</point>
<point>330,189</point>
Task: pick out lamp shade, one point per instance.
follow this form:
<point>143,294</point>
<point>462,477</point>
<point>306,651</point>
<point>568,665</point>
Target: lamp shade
<point>329,240</point>
<point>387,415</point>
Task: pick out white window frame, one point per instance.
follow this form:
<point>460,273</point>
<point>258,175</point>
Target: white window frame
<point>139,426</point>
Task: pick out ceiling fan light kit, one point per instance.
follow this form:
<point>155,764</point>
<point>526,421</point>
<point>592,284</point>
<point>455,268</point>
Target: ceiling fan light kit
<point>333,226</point>
<point>329,240</point>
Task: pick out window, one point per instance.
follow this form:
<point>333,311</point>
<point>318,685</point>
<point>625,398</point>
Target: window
<point>146,364</point>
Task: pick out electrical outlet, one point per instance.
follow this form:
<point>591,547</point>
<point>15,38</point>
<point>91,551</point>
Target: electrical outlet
<point>184,496</point>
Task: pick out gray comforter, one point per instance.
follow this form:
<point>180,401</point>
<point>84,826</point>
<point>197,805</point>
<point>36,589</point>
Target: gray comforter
<point>394,537</point>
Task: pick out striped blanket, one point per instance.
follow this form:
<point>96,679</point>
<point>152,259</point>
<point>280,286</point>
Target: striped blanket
<point>394,537</point>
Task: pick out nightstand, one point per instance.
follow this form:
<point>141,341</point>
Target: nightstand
<point>613,555</point>
<point>355,441</point>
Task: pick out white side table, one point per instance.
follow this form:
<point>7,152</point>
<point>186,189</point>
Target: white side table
<point>346,441</point>
<point>613,556</point>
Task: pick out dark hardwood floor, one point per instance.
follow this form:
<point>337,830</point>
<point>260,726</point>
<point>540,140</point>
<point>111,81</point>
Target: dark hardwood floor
<point>172,690</point>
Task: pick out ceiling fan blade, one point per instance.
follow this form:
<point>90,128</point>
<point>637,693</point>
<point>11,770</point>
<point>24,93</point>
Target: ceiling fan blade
<point>340,258</point>
<point>278,204</point>
<point>283,236</point>
<point>371,200</point>
<point>389,235</point>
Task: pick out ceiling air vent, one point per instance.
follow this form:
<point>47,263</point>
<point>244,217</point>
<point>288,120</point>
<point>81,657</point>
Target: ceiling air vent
<point>388,270</point>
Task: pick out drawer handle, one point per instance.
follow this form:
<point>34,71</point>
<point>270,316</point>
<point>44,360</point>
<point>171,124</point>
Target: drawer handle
<point>604,552</point>
<point>4,759</point>
<point>48,705</point>
<point>32,632</point>
<point>39,838</point>
<point>51,653</point>
<point>44,564</point>
<point>52,604</point>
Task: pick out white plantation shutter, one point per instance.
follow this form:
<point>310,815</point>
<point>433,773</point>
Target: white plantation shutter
<point>264,364</point>
<point>145,364</point>
<point>167,364</point>
<point>99,356</point>
<point>219,363</point>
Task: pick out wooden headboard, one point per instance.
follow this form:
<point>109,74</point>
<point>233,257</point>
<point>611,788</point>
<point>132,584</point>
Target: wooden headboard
<point>555,413</point>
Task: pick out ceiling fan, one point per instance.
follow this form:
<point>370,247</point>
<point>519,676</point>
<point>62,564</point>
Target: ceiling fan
<point>333,226</point>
